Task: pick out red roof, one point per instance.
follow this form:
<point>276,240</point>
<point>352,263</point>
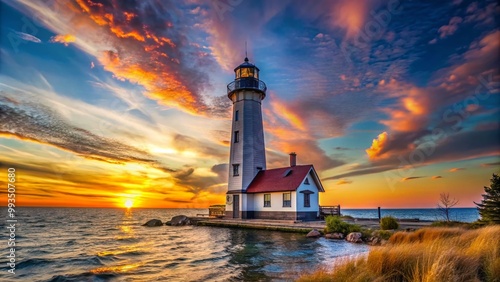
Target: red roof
<point>281,179</point>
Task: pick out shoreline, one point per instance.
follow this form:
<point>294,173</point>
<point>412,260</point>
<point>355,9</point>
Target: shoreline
<point>298,227</point>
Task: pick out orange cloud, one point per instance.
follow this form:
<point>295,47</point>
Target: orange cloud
<point>343,182</point>
<point>63,38</point>
<point>349,15</point>
<point>377,147</point>
<point>437,177</point>
<point>280,109</point>
<point>455,169</point>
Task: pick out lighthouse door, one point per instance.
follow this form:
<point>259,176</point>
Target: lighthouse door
<point>236,206</point>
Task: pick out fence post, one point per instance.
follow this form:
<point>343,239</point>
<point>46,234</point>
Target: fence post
<point>379,217</point>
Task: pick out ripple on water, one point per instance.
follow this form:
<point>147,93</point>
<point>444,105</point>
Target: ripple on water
<point>34,262</point>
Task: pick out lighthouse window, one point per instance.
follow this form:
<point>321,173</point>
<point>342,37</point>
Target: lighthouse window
<point>245,72</point>
<point>236,168</point>
<point>306,181</point>
<point>236,136</point>
<point>236,115</point>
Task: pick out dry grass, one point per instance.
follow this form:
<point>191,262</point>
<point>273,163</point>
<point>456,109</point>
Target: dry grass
<point>429,254</point>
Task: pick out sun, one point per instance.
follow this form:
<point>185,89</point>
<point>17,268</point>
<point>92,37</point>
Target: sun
<point>129,203</point>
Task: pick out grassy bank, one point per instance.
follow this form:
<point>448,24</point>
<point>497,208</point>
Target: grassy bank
<point>429,254</point>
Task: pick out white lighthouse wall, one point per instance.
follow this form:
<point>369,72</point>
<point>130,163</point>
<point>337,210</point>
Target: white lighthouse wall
<point>249,152</point>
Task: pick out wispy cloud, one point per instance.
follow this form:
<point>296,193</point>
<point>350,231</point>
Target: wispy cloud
<point>455,169</point>
<point>343,182</point>
<point>412,178</point>
<point>28,37</point>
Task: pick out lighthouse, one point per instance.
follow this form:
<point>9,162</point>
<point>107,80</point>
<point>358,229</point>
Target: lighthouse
<point>290,192</point>
<point>247,153</point>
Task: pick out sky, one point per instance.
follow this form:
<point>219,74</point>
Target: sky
<point>393,102</point>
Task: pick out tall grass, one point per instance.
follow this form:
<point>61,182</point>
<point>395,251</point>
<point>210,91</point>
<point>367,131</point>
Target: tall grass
<point>429,254</point>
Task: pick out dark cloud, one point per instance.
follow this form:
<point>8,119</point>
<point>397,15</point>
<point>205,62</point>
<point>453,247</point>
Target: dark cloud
<point>411,178</point>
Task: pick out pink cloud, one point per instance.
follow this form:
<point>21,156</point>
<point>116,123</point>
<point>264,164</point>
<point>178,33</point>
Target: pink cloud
<point>450,28</point>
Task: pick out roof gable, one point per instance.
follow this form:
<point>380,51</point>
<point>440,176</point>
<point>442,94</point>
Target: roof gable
<point>282,179</point>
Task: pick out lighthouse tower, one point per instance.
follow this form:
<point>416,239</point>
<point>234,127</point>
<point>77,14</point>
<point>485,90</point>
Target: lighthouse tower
<point>247,155</point>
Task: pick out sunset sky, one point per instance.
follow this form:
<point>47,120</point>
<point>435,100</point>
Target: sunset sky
<point>393,102</point>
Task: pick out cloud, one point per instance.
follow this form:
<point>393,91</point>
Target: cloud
<point>28,37</point>
<point>350,15</point>
<point>343,181</point>
<point>437,177</point>
<point>450,28</point>
<point>137,42</point>
<point>490,164</point>
<point>411,178</point>
<point>63,38</point>
<point>39,123</point>
<point>455,169</point>
<point>377,146</point>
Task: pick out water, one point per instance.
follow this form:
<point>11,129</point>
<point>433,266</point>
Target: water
<point>77,244</point>
<point>458,214</point>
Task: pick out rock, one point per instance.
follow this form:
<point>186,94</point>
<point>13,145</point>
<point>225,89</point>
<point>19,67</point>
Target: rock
<point>375,241</point>
<point>336,236</point>
<point>168,223</point>
<point>354,237</point>
<point>313,234</point>
<point>180,220</point>
<point>153,222</point>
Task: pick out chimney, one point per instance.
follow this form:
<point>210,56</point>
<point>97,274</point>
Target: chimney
<point>293,159</point>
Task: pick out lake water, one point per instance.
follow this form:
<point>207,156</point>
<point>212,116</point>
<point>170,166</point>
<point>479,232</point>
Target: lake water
<point>78,244</point>
<point>458,214</point>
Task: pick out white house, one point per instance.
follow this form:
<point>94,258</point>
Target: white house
<point>254,192</point>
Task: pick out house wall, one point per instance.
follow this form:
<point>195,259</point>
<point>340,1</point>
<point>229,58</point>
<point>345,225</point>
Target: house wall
<point>308,213</point>
<point>276,210</point>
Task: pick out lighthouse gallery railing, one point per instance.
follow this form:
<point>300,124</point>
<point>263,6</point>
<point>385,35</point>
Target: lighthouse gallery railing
<point>246,83</point>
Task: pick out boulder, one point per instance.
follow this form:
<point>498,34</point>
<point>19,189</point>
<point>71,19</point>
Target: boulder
<point>375,241</point>
<point>180,220</point>
<point>337,236</point>
<point>313,234</point>
<point>168,223</point>
<point>153,222</point>
<point>354,237</point>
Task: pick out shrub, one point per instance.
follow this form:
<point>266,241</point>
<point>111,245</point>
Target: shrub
<point>388,223</point>
<point>335,224</point>
<point>383,234</point>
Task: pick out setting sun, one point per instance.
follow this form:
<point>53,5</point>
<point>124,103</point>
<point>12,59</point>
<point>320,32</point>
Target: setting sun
<point>129,203</point>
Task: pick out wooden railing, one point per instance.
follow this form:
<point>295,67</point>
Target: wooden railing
<point>328,210</point>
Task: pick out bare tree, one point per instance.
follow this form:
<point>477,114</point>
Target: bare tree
<point>445,204</point>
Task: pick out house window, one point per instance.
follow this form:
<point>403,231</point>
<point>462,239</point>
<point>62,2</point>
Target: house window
<point>287,199</point>
<point>236,136</point>
<point>307,200</point>
<point>236,169</point>
<point>267,200</point>
<point>306,182</point>
<point>236,115</point>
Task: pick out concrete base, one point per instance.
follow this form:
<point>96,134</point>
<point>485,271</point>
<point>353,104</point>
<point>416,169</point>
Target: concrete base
<point>304,216</point>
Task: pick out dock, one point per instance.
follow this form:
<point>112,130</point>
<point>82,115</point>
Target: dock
<point>294,226</point>
<point>262,224</point>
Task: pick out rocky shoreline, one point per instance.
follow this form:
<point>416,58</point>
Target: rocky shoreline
<point>373,237</point>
